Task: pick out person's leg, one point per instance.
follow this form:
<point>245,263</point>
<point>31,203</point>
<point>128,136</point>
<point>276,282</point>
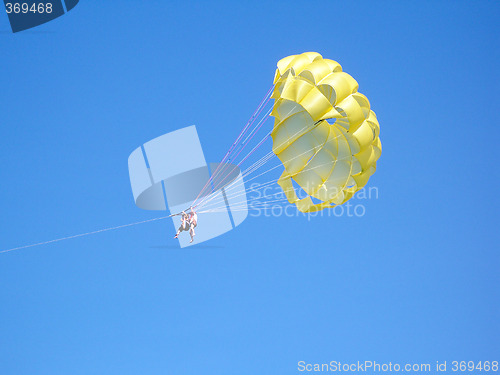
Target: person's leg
<point>181,228</point>
<point>191,232</point>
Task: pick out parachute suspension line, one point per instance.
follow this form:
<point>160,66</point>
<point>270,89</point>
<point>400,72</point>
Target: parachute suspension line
<point>225,167</point>
<point>226,157</point>
<point>247,140</point>
<point>230,187</point>
<point>270,154</point>
<point>259,207</point>
<point>234,195</point>
<point>255,166</point>
<point>220,184</point>
<point>254,203</point>
<point>255,148</point>
<point>238,138</point>
<point>260,163</point>
<point>221,202</point>
<point>257,204</point>
<point>243,145</point>
<point>267,157</point>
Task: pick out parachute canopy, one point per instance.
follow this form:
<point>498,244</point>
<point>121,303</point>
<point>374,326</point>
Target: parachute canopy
<point>324,133</point>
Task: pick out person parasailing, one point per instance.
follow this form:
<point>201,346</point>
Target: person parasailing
<point>189,221</point>
<point>184,224</point>
<point>193,223</point>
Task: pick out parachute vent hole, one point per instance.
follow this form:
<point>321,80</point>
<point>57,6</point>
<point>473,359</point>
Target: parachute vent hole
<point>331,121</point>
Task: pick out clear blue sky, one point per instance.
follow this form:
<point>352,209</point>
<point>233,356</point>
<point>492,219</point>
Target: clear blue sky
<point>414,280</point>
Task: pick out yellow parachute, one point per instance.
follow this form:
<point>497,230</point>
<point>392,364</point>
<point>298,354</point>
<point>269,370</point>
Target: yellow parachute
<point>324,132</point>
